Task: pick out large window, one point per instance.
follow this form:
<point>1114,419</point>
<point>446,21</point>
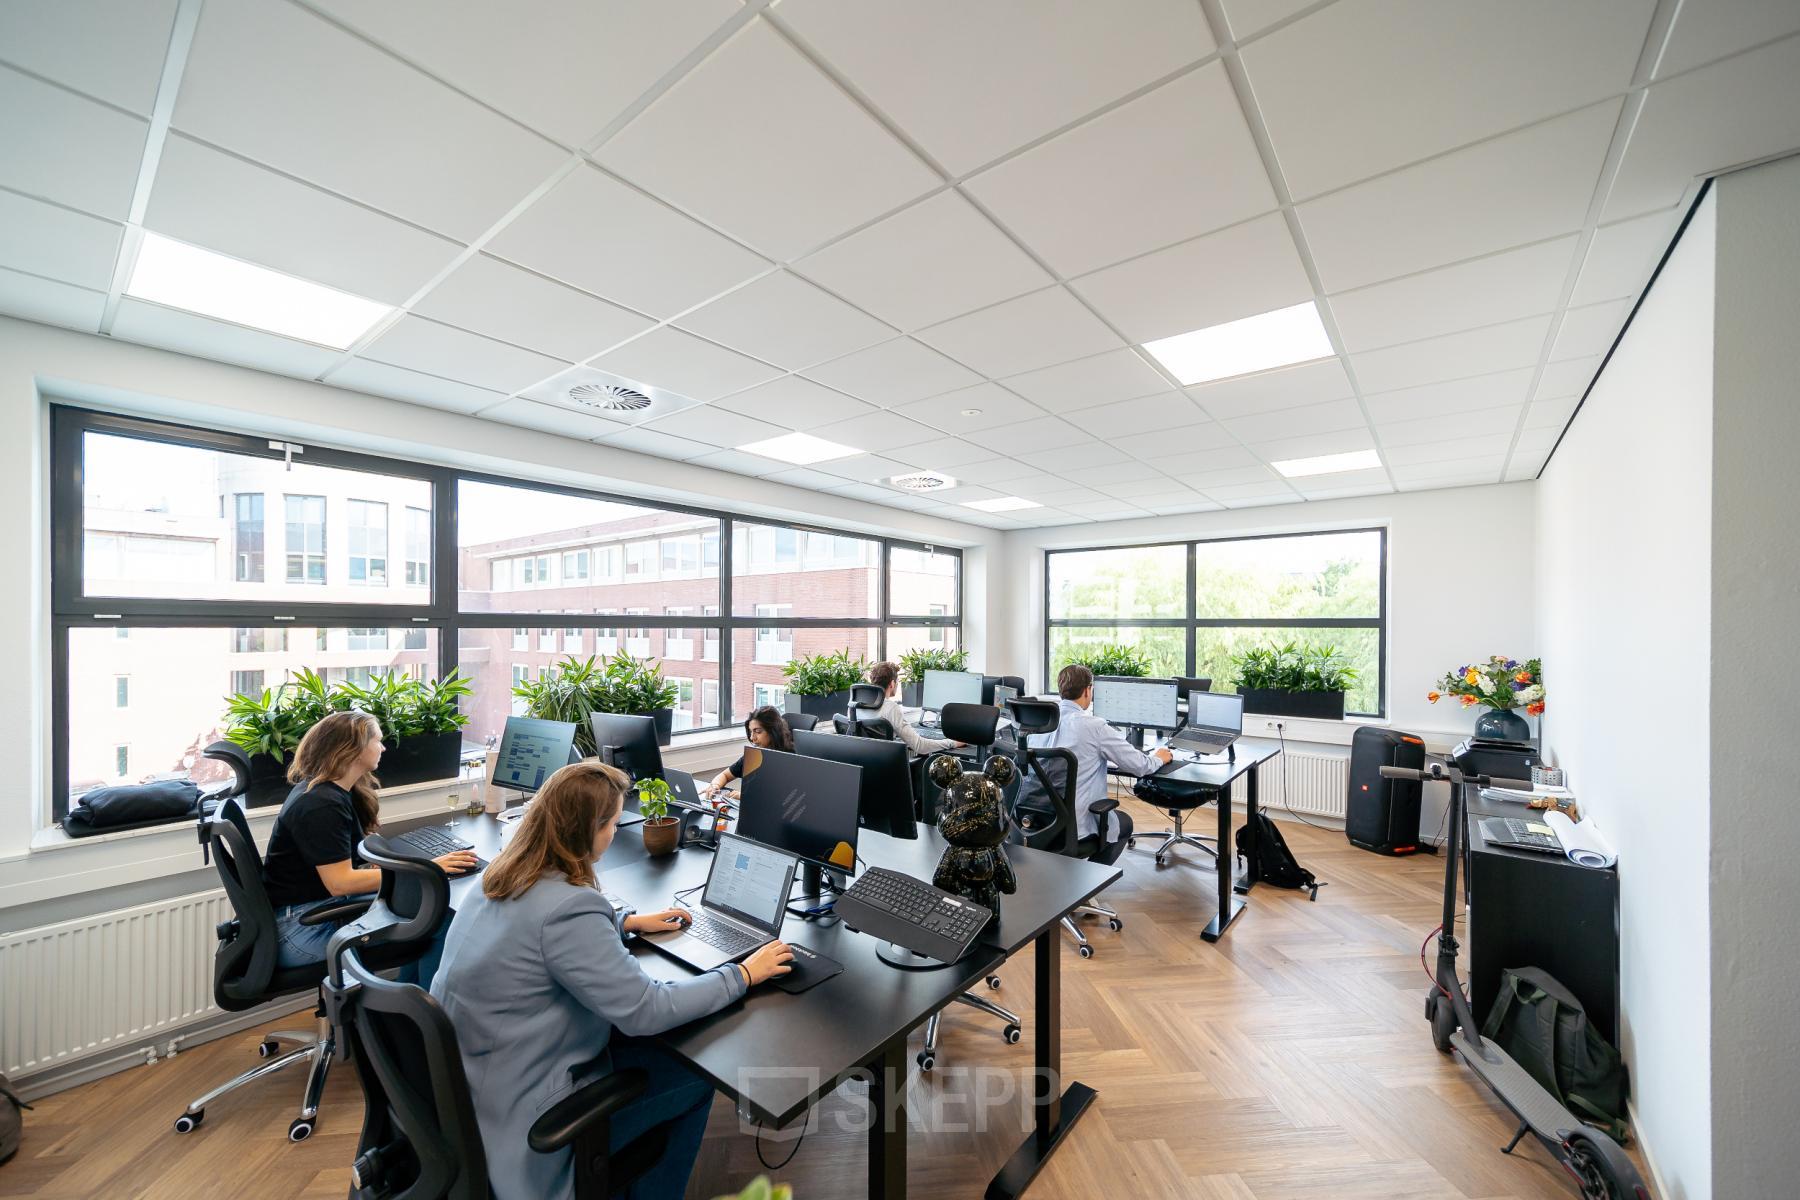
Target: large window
<point>1191,606</point>
<point>190,565</point>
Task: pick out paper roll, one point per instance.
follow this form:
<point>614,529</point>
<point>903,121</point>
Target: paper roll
<point>1582,841</point>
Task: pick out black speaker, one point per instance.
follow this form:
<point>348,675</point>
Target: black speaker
<point>1383,814</point>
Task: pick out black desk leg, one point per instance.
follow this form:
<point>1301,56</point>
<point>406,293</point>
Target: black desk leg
<point>1229,905</point>
<point>1252,876</point>
<point>887,1130</point>
<point>1054,1109</point>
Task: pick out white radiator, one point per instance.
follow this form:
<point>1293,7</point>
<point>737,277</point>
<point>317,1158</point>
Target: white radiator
<point>104,983</point>
<point>1317,785</point>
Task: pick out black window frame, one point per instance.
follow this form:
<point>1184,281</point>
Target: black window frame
<point>1191,624</point>
<point>438,610</point>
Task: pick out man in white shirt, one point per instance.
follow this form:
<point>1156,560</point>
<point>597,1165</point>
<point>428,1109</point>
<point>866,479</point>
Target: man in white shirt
<point>886,676</point>
<point>1095,744</point>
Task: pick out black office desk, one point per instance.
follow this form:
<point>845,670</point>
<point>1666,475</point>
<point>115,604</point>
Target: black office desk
<point>777,1055</point>
<point>1217,777</point>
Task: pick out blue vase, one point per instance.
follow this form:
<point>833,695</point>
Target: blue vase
<point>1502,725</point>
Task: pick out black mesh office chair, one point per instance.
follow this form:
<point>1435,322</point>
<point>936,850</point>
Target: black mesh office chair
<point>863,717</point>
<point>244,970</point>
<point>1044,811</point>
<point>974,724</point>
<point>419,1137</point>
<point>797,722</point>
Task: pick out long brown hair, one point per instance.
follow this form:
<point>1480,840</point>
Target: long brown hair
<point>770,718</point>
<point>556,835</point>
<point>329,749</point>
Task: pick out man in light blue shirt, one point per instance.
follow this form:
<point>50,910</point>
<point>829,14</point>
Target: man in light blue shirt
<point>1095,744</point>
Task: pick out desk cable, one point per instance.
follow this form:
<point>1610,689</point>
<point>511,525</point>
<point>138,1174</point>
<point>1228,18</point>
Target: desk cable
<point>1281,736</point>
<point>784,1162</point>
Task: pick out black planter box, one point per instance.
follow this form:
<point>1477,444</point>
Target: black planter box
<point>665,724</point>
<point>823,707</point>
<point>420,759</point>
<point>268,780</point>
<point>1279,702</point>
<point>912,694</point>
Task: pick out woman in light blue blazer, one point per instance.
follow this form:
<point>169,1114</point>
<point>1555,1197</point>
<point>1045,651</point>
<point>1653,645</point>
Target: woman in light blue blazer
<point>536,978</point>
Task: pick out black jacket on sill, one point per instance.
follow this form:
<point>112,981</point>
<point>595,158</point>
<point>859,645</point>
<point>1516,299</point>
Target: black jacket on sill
<point>131,805</point>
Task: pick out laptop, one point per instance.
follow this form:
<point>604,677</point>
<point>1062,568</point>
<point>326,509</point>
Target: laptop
<point>741,908</point>
<point>1214,721</point>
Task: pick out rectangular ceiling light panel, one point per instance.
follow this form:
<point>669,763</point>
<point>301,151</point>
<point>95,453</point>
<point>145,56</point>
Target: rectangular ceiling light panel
<point>177,275</point>
<point>1260,343</point>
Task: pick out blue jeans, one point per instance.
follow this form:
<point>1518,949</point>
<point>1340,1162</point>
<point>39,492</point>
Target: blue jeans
<point>675,1096</point>
<point>303,944</point>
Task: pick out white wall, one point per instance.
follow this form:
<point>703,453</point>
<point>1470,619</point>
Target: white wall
<point>1755,601</point>
<point>36,361</point>
<point>1435,620</point>
<point>1625,616</point>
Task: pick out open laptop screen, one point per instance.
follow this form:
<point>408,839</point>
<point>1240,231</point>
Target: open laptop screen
<point>1214,710</point>
<point>749,881</point>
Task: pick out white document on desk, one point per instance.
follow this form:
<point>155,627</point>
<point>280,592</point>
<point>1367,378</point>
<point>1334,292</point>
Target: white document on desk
<point>1582,841</point>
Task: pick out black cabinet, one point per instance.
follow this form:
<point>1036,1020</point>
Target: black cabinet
<point>1532,910</point>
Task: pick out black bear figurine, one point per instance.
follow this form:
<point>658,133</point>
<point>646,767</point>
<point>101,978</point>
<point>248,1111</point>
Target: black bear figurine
<point>972,818</point>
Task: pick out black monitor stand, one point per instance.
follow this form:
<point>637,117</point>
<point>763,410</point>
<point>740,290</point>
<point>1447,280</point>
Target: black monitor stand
<point>817,887</point>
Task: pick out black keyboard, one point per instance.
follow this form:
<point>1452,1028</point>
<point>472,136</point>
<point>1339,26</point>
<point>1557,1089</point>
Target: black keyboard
<point>911,913</point>
<point>724,936</point>
<point>1517,834</point>
<point>434,841</point>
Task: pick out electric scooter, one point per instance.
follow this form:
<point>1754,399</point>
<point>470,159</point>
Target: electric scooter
<point>1593,1159</point>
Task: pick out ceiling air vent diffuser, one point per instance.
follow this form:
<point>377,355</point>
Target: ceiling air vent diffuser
<point>923,481</point>
<point>609,397</point>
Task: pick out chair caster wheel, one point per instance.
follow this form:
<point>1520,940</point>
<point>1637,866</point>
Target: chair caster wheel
<point>188,1122</point>
<point>1114,924</point>
<point>1131,843</point>
<point>926,1060</point>
<point>268,1048</point>
<point>300,1130</point>
<point>1159,860</point>
<point>994,982</point>
<point>1085,951</point>
<point>1012,1034</point>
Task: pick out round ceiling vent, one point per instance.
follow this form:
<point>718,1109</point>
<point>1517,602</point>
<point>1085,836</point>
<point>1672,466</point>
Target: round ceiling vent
<point>923,481</point>
<point>609,397</point>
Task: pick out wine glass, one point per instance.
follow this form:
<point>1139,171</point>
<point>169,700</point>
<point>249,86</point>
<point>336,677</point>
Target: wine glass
<point>455,801</point>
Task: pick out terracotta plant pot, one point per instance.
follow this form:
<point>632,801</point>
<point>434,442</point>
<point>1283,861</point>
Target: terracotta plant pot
<point>662,835</point>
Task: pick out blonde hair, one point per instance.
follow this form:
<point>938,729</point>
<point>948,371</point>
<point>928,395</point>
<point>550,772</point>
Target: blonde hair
<point>556,835</point>
<point>331,748</point>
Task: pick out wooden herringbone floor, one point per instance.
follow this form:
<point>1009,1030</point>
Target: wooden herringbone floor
<point>1292,1060</point>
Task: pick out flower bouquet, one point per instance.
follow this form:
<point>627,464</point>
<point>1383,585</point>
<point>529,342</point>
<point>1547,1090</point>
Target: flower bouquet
<point>1501,684</point>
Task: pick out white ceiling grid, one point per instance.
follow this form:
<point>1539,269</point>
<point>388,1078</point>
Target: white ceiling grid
<point>934,231</point>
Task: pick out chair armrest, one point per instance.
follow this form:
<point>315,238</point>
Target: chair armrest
<point>1101,807</point>
<point>565,1120</point>
<point>338,908</point>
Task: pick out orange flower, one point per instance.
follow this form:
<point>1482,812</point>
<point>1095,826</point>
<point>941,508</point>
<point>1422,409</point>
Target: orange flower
<point>1468,701</point>
<point>1433,696</point>
<point>1523,677</point>
<point>1536,710</point>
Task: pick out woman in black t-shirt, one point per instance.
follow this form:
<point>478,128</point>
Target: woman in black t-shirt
<point>766,727</point>
<point>312,850</point>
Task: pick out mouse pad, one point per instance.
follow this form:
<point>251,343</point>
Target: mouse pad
<point>809,967</point>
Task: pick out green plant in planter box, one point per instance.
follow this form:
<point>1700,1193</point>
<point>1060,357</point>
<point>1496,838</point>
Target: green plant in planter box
<point>635,685</point>
<point>1293,667</point>
<point>570,691</point>
<point>407,707</point>
<point>1114,658</point>
<point>914,663</point>
<point>823,674</point>
<point>436,706</point>
<point>274,720</point>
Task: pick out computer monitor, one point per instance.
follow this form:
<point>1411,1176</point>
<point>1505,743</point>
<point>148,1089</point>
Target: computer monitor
<point>988,684</point>
<point>806,806</point>
<point>629,743</point>
<point>950,687</point>
<point>1004,695</point>
<point>1216,711</point>
<point>531,751</point>
<point>885,797</point>
<point>1145,703</point>
<point>1192,683</point>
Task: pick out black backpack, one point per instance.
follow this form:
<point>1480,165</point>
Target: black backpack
<point>1272,862</point>
<point>1543,1028</point>
<point>10,1122</point>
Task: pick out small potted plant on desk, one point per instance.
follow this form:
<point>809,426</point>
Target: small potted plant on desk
<point>1294,680</point>
<point>662,833</point>
<point>914,663</point>
<point>819,684</point>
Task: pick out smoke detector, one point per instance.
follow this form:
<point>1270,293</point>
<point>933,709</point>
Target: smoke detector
<point>609,397</point>
<point>923,481</point>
